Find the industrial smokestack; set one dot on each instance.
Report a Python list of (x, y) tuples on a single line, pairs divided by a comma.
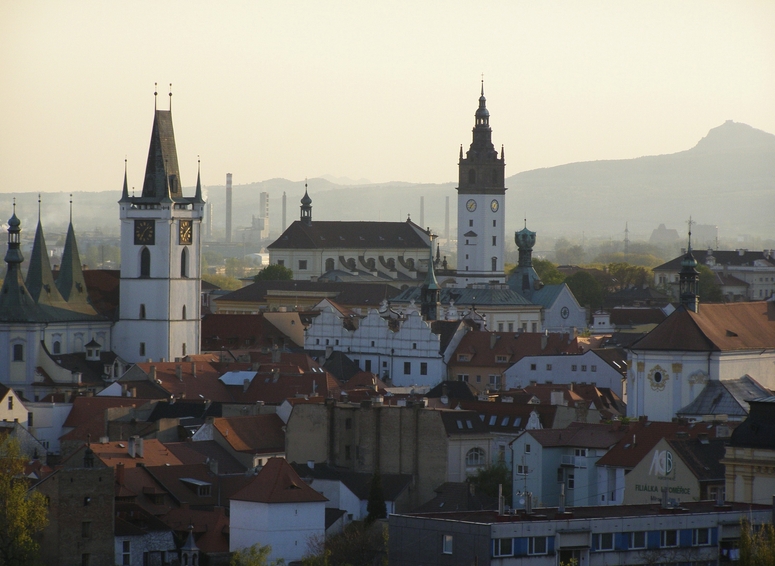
[(228, 208), (285, 225)]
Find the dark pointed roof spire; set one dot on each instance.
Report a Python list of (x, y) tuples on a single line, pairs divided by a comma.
[(162, 175), (125, 191), (70, 282), (306, 206), (40, 280), (16, 305), (198, 195)]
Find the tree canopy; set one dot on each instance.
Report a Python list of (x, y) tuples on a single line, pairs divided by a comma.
[(488, 479), (274, 272), (587, 290), (710, 290), (256, 555), (22, 513), (547, 271)]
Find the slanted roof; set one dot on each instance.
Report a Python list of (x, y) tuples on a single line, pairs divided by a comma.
[(70, 281), (579, 435), (254, 434), (547, 295), (278, 482), (454, 389), (40, 279), (758, 430), (702, 456), (640, 438), (485, 348), (728, 397), (393, 485), (351, 235), (203, 452), (716, 327), (457, 496), (154, 454), (466, 296), (462, 422), (162, 175), (737, 258)]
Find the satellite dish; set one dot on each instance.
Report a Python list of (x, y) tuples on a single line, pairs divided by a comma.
[(521, 500)]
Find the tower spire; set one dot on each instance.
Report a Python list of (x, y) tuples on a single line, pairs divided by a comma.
[(125, 190), (689, 278), (306, 207), (198, 195)]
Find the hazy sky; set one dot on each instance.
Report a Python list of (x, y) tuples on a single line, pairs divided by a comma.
[(383, 91)]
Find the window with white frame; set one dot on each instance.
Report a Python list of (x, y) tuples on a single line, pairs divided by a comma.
[(522, 470), (475, 457), (637, 539), (668, 539), (446, 544), (537, 545), (604, 541), (502, 547), (701, 537)]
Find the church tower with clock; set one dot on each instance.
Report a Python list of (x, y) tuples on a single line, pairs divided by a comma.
[(159, 307), (481, 206)]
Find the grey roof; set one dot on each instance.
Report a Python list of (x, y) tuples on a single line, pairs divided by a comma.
[(722, 257), (351, 235), (466, 296), (729, 397), (546, 295), (70, 281)]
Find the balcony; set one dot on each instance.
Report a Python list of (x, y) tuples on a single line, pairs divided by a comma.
[(574, 461)]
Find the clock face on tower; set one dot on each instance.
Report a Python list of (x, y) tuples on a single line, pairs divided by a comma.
[(185, 232), (145, 232), (494, 205), (471, 205), (564, 312)]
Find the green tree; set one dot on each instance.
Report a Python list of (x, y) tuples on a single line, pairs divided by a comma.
[(488, 479), (376, 506), (226, 283), (547, 271), (358, 545), (757, 544), (256, 555), (566, 253), (274, 272), (710, 290), (627, 275), (22, 513), (587, 290)]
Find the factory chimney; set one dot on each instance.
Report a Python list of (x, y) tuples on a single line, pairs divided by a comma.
[(228, 208)]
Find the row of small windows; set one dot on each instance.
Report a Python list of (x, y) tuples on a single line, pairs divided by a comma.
[(145, 263), (142, 349), (574, 367)]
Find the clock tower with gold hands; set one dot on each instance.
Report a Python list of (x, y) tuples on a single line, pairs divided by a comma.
[(159, 308), (481, 206)]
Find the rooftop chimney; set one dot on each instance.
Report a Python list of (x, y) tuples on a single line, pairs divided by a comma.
[(139, 449), (193, 369), (131, 447), (228, 208), (179, 372), (120, 473), (152, 370)]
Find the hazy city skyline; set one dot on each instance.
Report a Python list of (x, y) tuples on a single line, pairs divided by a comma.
[(383, 92)]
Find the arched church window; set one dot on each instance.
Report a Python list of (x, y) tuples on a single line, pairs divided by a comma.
[(471, 176), (329, 264), (18, 353), (184, 263), (184, 312), (57, 347), (145, 263), (142, 312), (495, 264), (476, 457)]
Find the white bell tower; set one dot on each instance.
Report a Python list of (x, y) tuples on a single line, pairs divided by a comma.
[(481, 206), (159, 309)]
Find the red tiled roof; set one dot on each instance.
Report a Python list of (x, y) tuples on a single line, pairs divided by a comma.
[(191, 385), (154, 454), (256, 434), (278, 482), (484, 347), (240, 331), (211, 528), (640, 437), (274, 388), (716, 327)]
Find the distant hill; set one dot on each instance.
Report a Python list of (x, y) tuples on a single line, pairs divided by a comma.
[(727, 179)]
